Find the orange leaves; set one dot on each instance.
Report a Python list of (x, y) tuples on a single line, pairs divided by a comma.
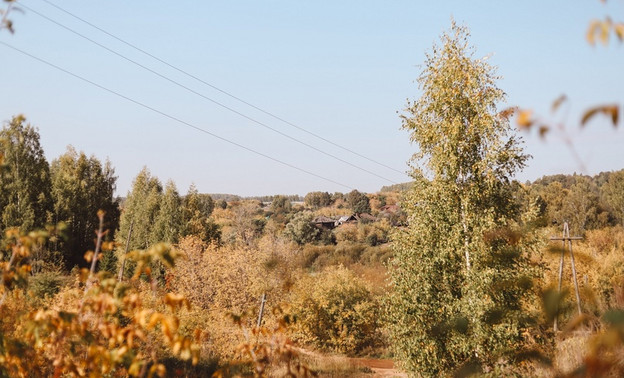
[(110, 328), (507, 113), (267, 347), (557, 103), (611, 111), (619, 31), (176, 301), (88, 256), (108, 246), (600, 30), (525, 119)]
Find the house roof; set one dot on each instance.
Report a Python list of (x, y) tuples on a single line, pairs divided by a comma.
[(366, 216), (346, 218), (323, 219)]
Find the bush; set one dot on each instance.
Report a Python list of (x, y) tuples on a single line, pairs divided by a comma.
[(301, 230), (335, 311), (46, 284)]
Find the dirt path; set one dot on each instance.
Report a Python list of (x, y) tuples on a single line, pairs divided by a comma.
[(341, 366), (380, 368)]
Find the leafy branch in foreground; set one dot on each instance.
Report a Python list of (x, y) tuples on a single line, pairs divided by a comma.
[(598, 30), (5, 21), (267, 350), (105, 327)]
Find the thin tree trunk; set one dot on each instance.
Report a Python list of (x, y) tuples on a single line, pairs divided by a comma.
[(466, 243)]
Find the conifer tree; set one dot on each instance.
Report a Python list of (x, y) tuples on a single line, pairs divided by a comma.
[(168, 224), (25, 199), (459, 274)]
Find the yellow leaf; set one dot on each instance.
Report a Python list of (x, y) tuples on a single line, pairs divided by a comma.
[(543, 130), (154, 319), (524, 120), (108, 246), (158, 369), (591, 32), (558, 102), (605, 28), (88, 256), (84, 274), (121, 351), (135, 368), (176, 300), (608, 110), (619, 31), (176, 347)]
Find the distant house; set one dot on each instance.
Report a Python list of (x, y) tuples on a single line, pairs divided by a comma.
[(325, 223), (346, 219), (355, 218)]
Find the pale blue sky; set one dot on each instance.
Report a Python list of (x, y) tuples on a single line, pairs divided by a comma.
[(340, 69)]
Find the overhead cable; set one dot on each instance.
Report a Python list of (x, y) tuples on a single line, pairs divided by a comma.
[(237, 98), (206, 97), (178, 120)]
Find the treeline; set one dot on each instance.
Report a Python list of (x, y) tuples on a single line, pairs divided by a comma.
[(67, 192), (585, 202)]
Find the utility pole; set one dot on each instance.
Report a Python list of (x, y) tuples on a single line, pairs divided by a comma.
[(566, 238)]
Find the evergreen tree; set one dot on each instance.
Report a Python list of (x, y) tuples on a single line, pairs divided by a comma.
[(459, 274), (25, 199), (168, 225)]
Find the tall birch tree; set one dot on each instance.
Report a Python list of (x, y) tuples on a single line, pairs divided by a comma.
[(459, 273)]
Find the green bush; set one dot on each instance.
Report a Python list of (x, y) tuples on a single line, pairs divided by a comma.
[(335, 311), (46, 284), (301, 230)]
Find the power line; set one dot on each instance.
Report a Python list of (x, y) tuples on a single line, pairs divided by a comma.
[(188, 124), (205, 97), (224, 91)]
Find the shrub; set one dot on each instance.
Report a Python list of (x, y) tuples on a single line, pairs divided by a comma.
[(301, 230), (335, 311), (46, 284)]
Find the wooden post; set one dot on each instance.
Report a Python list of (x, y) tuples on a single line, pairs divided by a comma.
[(566, 238), (560, 278), (262, 302), (576, 286)]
